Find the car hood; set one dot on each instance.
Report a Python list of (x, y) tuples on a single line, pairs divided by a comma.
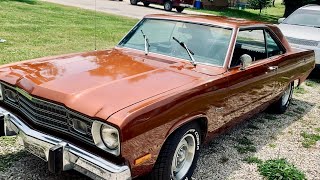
[(90, 82), (300, 32)]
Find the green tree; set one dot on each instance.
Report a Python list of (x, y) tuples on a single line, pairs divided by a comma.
[(259, 4)]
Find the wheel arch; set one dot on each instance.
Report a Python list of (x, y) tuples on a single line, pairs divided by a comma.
[(201, 120)]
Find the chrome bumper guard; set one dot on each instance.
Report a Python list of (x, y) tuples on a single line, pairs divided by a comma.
[(60, 155), (186, 5)]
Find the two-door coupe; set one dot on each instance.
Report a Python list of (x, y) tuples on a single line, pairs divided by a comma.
[(145, 107)]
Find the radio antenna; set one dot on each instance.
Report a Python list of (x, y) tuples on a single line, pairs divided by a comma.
[(95, 25)]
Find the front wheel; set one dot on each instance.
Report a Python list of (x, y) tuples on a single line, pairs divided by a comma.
[(167, 6), (179, 9), (178, 156), (282, 104), (134, 2)]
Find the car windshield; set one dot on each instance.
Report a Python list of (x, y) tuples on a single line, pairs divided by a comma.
[(207, 43), (304, 18)]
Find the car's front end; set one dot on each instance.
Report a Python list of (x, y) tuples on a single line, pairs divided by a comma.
[(59, 154), (43, 127)]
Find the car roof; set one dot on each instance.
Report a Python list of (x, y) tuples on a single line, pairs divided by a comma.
[(208, 19), (314, 7)]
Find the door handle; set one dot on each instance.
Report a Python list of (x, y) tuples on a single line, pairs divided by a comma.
[(273, 68)]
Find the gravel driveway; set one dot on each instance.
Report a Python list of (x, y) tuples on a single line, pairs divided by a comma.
[(274, 136), (122, 8)]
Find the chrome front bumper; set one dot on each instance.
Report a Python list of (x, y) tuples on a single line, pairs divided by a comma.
[(48, 148)]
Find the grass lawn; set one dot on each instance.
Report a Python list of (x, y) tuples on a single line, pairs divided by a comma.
[(36, 29), (270, 14)]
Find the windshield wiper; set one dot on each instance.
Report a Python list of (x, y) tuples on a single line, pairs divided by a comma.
[(190, 53), (146, 43)]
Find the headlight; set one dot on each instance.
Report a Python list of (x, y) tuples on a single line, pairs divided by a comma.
[(106, 137), (110, 137)]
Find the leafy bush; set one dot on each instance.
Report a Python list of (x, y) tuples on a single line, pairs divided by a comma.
[(259, 4), (309, 139), (280, 169)]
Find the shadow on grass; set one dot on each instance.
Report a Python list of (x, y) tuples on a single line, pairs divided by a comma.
[(267, 127), (24, 1)]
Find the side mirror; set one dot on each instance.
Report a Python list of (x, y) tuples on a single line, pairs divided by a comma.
[(246, 61), (281, 20)]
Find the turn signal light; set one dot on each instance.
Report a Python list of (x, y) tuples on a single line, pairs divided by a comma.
[(142, 159)]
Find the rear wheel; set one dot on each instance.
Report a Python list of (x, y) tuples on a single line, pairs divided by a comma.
[(167, 6), (134, 2), (146, 4), (282, 104), (178, 156), (179, 9)]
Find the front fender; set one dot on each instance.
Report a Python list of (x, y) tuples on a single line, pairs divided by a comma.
[(185, 121)]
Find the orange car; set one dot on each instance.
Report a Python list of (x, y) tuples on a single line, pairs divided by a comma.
[(145, 107)]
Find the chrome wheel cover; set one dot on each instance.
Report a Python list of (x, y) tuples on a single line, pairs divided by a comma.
[(286, 95), (183, 157), (167, 6)]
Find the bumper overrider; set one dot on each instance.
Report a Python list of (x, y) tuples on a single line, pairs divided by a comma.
[(60, 155)]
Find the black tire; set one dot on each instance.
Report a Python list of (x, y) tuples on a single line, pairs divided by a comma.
[(146, 4), (163, 166), (167, 5), (281, 105), (179, 9), (134, 2)]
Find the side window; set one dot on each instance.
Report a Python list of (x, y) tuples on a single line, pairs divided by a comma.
[(250, 42), (272, 47)]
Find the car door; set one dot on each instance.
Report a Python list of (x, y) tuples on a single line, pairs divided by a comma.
[(252, 87), (276, 53)]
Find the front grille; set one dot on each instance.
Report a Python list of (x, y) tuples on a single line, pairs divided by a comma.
[(46, 114), (302, 41)]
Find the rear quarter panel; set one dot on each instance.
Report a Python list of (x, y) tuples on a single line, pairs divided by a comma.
[(295, 65)]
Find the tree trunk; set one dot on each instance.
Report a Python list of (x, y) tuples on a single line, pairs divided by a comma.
[(260, 6), (273, 3)]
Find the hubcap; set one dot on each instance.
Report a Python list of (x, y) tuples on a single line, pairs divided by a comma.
[(286, 95), (167, 6), (183, 157)]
